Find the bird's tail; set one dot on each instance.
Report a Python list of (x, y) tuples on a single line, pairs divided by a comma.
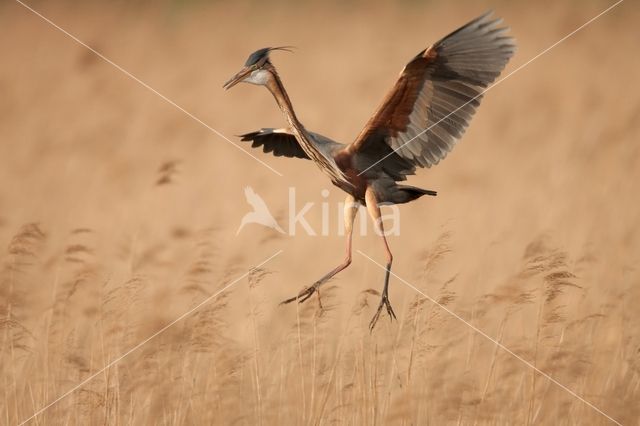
[(409, 193)]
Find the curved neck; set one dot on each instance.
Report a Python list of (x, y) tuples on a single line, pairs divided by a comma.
[(305, 140), (276, 88), (325, 162)]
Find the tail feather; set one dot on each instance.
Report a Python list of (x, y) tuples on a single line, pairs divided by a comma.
[(409, 193)]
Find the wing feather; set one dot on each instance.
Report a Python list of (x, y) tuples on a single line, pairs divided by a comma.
[(283, 143), (439, 90)]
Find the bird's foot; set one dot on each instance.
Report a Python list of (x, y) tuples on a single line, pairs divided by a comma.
[(384, 302), (305, 294)]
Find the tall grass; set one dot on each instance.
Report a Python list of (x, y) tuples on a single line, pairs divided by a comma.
[(117, 215)]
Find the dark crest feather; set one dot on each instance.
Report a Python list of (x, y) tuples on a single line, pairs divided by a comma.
[(263, 53)]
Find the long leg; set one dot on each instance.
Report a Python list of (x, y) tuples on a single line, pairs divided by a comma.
[(350, 210), (374, 211)]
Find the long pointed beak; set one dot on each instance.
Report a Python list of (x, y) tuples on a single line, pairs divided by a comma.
[(237, 78)]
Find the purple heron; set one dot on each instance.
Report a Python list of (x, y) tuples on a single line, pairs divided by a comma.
[(418, 123)]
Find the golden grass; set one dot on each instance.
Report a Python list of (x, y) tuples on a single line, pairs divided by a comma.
[(118, 213)]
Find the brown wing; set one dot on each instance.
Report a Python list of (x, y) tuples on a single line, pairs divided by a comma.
[(438, 90)]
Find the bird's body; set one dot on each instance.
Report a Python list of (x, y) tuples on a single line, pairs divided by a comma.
[(417, 125), (282, 142)]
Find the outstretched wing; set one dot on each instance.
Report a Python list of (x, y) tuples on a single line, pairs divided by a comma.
[(283, 143), (439, 90), (279, 141)]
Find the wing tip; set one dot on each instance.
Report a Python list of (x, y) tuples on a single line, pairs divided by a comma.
[(262, 132), (247, 136)]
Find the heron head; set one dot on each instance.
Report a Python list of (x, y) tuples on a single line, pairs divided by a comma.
[(257, 69)]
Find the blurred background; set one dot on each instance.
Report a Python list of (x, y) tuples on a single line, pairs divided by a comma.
[(119, 212)]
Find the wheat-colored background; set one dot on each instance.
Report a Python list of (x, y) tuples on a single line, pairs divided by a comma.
[(118, 213)]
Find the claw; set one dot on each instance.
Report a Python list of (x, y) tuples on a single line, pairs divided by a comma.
[(304, 295), (384, 301), (307, 292)]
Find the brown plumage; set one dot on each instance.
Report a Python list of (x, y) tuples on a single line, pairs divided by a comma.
[(418, 123)]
